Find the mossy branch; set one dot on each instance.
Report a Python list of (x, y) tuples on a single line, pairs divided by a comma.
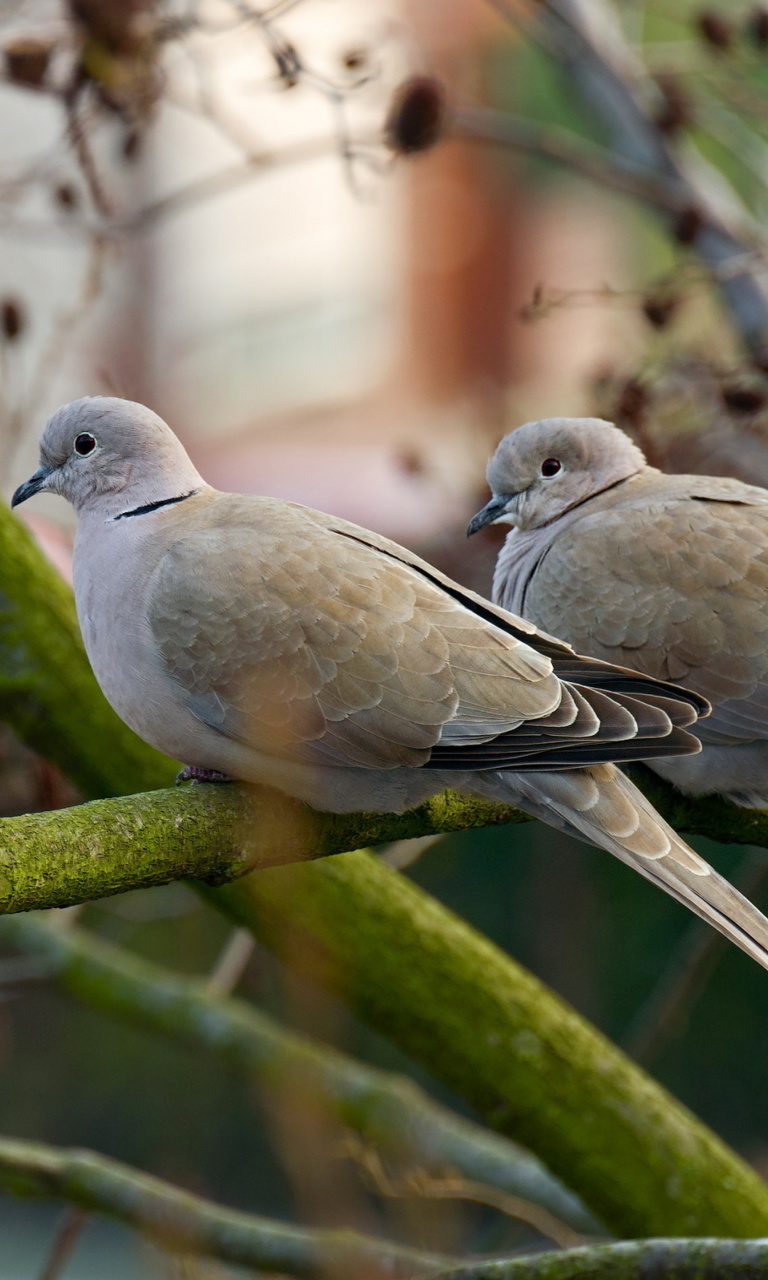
[(219, 833), (210, 833), (526, 1061), (187, 1223), (388, 1111), (496, 1035), (699, 1259)]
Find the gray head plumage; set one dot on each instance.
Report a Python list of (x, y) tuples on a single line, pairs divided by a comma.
[(546, 467), (101, 449)]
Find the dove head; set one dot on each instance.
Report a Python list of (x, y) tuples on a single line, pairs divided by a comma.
[(544, 468), (109, 455)]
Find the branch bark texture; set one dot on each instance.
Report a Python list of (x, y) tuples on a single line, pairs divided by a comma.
[(219, 833), (699, 1259)]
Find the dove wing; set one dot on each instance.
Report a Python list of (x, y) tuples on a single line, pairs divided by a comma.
[(675, 589), (310, 639)]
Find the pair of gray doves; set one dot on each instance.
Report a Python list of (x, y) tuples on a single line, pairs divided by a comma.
[(262, 641)]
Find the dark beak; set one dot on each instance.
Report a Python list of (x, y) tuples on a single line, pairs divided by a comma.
[(31, 486), (490, 512)]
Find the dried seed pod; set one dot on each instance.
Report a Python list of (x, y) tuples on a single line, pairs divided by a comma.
[(288, 64), (715, 30), (632, 404), (66, 196), (410, 461), (417, 115), (13, 320), (741, 399), (675, 109), (26, 61), (120, 29), (355, 59), (131, 144), (687, 225), (659, 308), (756, 27)]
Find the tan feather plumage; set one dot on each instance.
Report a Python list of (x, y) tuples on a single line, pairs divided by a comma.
[(667, 574)]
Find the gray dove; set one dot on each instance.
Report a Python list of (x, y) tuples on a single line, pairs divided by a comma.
[(258, 640), (667, 574)]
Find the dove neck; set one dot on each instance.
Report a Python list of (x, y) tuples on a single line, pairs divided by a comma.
[(149, 507), (524, 549)]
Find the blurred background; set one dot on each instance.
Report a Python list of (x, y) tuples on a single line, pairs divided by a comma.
[(342, 246)]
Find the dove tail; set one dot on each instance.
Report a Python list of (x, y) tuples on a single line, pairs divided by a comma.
[(601, 805)]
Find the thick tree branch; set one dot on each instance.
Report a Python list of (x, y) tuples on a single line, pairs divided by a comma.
[(700, 1259), (187, 1223), (388, 1111), (497, 1036), (218, 833), (210, 833)]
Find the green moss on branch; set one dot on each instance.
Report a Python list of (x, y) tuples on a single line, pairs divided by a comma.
[(671, 1259), (490, 1030), (210, 833)]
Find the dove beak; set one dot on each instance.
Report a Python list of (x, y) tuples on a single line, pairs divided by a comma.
[(35, 484), (491, 512)]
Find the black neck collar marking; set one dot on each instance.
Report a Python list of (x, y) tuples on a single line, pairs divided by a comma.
[(155, 506)]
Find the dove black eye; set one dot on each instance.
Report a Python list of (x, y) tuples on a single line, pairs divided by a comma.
[(85, 443), (550, 467)]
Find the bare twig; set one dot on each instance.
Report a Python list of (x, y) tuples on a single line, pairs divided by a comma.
[(549, 142), (180, 1221), (419, 1184), (231, 963), (609, 78), (67, 1237), (79, 141), (387, 1111)]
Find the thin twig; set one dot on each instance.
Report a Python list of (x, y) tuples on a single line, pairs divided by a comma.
[(180, 1221), (609, 77), (387, 1113), (231, 963), (419, 1184), (69, 1233), (80, 143), (561, 147)]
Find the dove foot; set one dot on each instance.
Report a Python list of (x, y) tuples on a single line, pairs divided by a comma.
[(191, 773)]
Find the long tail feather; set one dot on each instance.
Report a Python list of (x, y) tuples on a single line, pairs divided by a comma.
[(601, 805)]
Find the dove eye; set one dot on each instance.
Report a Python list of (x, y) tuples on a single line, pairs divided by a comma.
[(85, 443), (550, 467)]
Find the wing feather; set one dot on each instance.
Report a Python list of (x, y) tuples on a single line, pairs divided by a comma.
[(343, 649)]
